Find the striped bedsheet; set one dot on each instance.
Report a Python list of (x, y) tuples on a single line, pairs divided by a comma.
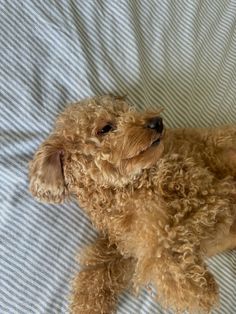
[(180, 55)]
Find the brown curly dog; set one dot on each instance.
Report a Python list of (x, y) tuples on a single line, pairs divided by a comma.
[(163, 201)]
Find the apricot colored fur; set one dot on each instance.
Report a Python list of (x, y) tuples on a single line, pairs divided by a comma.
[(161, 208)]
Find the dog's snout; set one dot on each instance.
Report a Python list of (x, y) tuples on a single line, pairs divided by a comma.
[(156, 124)]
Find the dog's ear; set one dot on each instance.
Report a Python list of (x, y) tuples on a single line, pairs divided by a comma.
[(47, 182)]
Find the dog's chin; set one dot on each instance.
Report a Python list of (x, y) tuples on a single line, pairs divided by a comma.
[(145, 159), (153, 153), (148, 148), (154, 144), (126, 170)]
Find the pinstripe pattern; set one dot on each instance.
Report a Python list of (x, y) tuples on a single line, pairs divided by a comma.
[(176, 54)]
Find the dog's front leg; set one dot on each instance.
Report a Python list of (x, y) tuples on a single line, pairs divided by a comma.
[(169, 257), (180, 277), (105, 274), (185, 280)]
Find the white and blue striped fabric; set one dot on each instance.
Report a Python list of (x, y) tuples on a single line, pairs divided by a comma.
[(180, 55)]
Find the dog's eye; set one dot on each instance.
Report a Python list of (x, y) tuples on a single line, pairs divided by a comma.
[(107, 128)]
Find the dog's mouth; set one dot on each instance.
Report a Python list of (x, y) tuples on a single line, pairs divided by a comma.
[(156, 142), (142, 144)]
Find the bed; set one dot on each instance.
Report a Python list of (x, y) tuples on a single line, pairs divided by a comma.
[(179, 55)]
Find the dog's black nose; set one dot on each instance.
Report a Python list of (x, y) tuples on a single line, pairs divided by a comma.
[(156, 123)]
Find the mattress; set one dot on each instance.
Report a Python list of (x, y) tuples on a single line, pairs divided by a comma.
[(179, 55)]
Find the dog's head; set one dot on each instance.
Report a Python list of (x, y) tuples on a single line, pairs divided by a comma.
[(100, 139)]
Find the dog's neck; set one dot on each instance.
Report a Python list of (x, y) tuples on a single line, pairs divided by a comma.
[(101, 201)]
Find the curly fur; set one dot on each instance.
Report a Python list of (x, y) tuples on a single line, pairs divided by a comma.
[(161, 207)]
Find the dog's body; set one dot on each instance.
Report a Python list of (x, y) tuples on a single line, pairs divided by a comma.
[(162, 200)]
